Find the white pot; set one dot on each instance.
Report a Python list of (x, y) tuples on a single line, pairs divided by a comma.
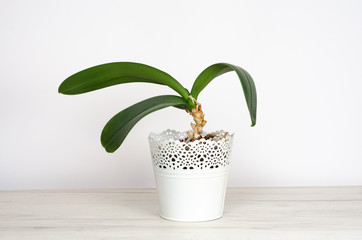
[(190, 177)]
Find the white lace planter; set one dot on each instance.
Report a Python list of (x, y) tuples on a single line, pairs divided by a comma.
[(190, 177)]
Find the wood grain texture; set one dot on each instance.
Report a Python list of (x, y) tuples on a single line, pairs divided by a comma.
[(250, 213)]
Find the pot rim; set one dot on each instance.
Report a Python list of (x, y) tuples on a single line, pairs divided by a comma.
[(175, 136)]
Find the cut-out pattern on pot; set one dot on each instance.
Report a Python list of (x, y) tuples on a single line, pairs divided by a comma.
[(170, 152)]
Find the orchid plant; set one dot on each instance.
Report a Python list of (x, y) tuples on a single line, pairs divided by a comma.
[(118, 127)]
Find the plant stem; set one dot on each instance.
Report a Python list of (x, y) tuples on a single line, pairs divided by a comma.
[(197, 127)]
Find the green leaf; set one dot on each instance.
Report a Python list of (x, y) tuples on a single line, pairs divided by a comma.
[(121, 124), (246, 81), (110, 74)]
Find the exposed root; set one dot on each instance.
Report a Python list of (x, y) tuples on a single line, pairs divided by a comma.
[(197, 127), (224, 135)]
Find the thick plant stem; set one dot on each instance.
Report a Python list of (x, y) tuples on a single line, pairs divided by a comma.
[(197, 127)]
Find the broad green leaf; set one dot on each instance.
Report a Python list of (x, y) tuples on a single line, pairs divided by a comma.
[(110, 74), (246, 81), (121, 124)]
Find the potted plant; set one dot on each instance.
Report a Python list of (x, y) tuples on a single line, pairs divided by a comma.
[(190, 167)]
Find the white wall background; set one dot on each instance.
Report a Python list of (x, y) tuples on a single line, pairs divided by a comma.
[(305, 57)]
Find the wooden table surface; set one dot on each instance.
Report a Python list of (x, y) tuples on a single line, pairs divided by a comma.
[(250, 213)]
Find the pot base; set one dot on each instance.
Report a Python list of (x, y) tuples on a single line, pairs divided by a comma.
[(183, 220)]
